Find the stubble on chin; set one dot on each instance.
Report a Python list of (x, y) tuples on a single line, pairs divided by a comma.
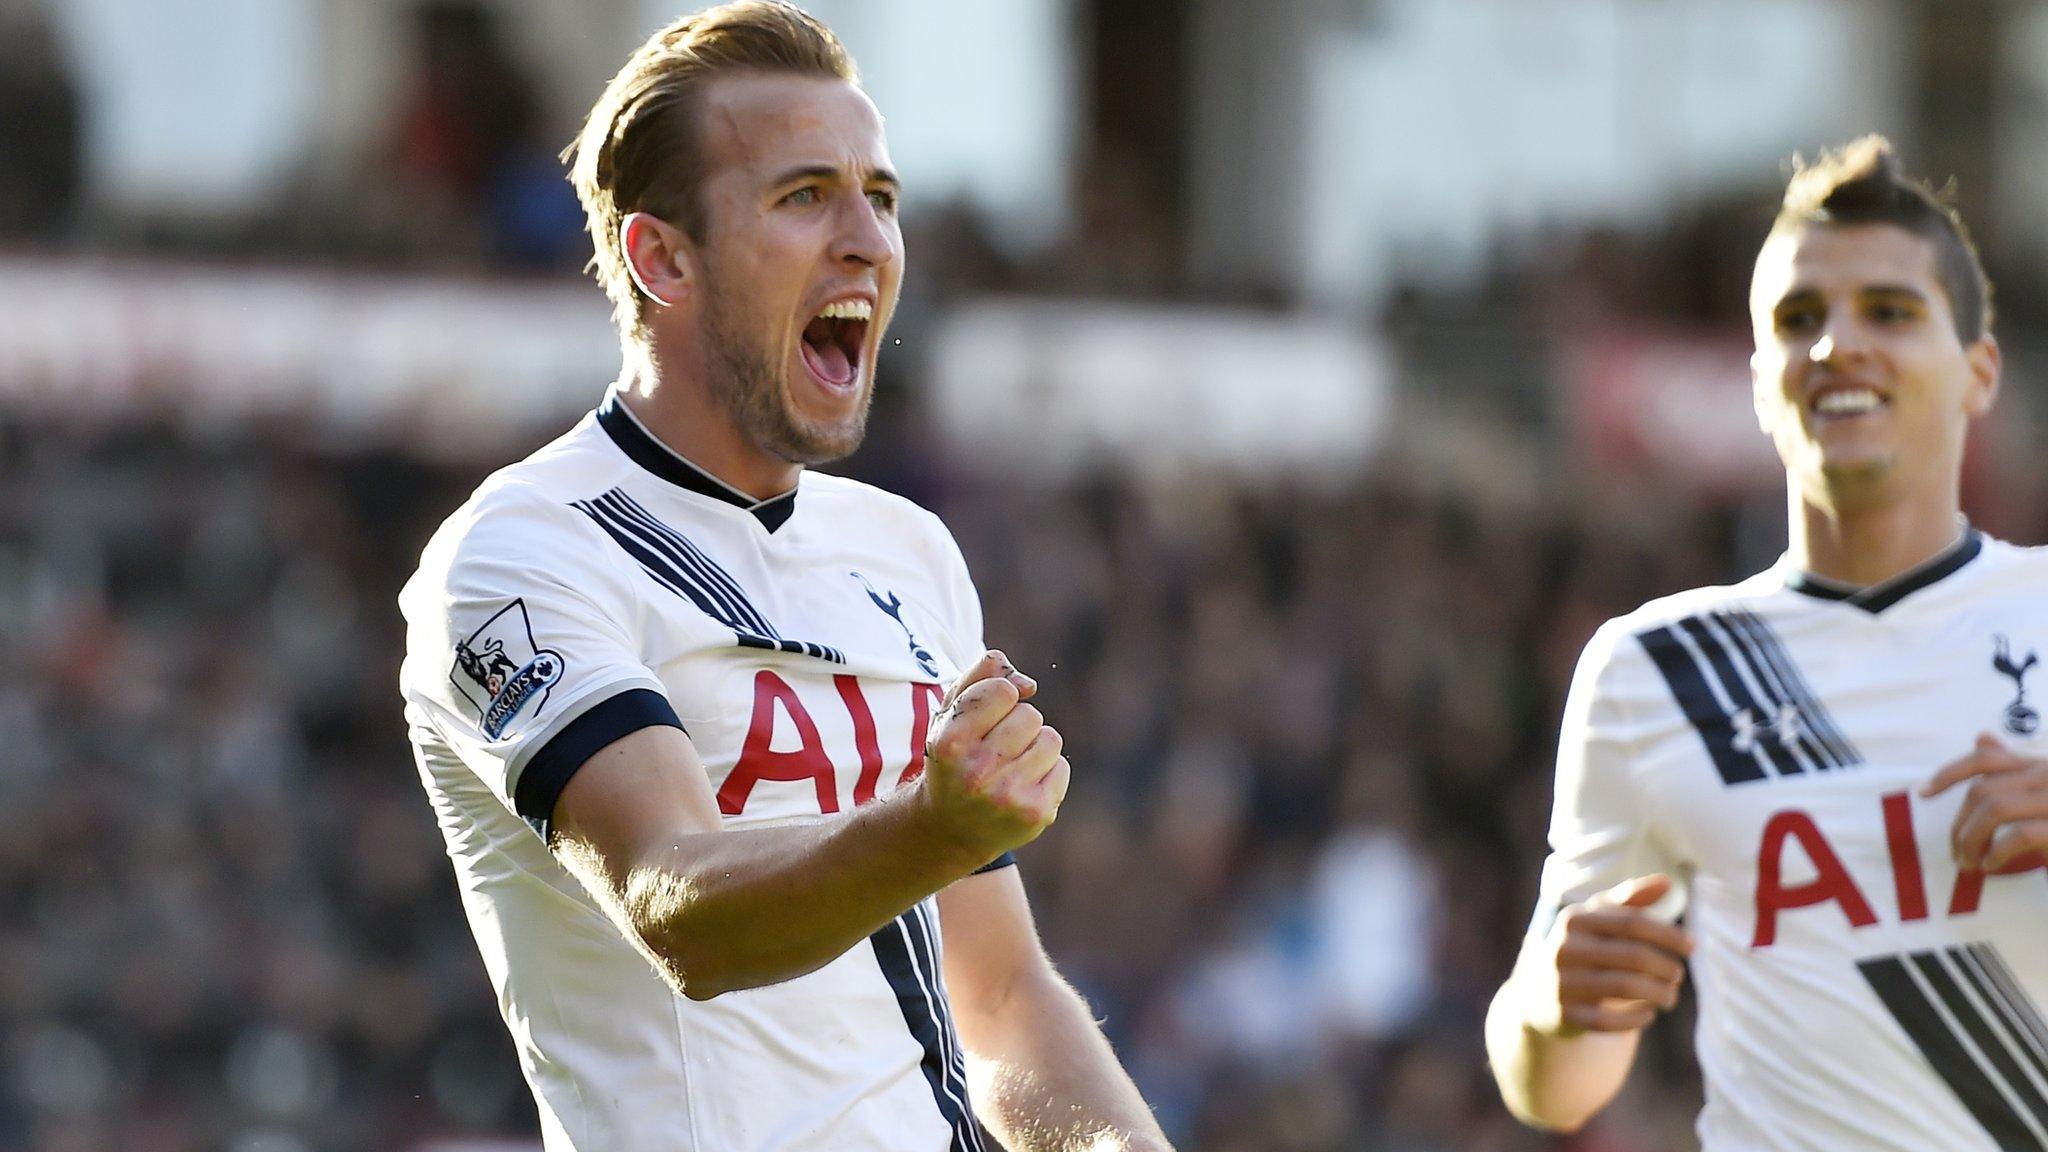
[(747, 384), (1855, 484)]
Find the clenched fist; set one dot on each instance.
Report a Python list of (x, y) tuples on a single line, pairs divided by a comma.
[(993, 771)]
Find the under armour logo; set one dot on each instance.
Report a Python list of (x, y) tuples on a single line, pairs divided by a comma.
[(2020, 720), (892, 605), (1785, 727)]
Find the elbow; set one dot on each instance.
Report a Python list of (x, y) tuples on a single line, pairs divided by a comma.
[(694, 974), (1556, 1121), (682, 955), (660, 915), (1551, 1107), (1535, 1090), (700, 989), (699, 962)]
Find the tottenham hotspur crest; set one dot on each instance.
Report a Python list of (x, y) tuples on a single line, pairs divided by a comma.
[(2020, 720), (892, 604), (500, 670)]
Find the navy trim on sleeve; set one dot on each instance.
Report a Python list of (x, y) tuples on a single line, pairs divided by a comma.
[(1006, 860), (541, 784)]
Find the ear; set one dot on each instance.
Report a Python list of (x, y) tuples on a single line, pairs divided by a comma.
[(1762, 395), (657, 257), (1986, 363)]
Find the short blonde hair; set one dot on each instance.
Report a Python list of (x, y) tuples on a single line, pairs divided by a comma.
[(640, 149)]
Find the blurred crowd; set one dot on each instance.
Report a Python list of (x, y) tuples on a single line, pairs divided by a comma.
[(1312, 727)]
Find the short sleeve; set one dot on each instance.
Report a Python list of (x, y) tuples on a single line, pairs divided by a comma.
[(522, 651), (1600, 831), (963, 638)]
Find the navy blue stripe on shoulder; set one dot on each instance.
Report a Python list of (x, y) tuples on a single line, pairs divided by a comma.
[(1006, 860), (548, 772)]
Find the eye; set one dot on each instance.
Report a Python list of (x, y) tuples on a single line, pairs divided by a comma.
[(883, 199), (1888, 312), (806, 195), (1799, 320)]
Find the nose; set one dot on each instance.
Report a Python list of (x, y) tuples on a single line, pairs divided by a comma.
[(865, 239), (1841, 339)]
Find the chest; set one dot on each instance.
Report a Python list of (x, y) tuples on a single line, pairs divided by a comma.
[(1786, 757), (804, 675)]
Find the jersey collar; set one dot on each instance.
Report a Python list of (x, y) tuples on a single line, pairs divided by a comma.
[(644, 449), (1884, 594)]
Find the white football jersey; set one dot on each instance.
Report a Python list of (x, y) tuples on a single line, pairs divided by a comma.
[(605, 584), (1764, 743)]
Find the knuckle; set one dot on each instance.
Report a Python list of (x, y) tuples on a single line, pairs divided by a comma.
[(986, 767)]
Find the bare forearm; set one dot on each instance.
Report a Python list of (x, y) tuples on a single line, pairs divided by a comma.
[(1555, 1082), (1045, 1080), (721, 911)]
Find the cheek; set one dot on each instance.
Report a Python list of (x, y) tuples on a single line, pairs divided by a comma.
[(1772, 386)]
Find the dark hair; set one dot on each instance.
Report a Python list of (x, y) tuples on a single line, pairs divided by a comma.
[(1861, 183), (639, 150)]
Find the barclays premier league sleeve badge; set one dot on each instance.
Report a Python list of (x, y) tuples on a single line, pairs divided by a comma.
[(500, 670)]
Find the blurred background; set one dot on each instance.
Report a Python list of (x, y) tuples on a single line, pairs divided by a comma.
[(1305, 380)]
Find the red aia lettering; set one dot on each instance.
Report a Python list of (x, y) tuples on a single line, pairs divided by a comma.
[(1970, 882), (1907, 879), (1832, 881), (758, 761), (922, 697), (1905, 853), (864, 739)]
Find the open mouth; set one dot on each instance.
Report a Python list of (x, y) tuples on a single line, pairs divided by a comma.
[(833, 341)]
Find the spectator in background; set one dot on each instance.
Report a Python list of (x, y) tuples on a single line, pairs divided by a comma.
[(41, 150), (469, 147)]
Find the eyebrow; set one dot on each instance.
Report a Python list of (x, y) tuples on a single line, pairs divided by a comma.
[(1808, 295), (829, 172)]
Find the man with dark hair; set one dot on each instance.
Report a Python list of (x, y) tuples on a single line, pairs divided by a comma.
[(1833, 768), (737, 859)]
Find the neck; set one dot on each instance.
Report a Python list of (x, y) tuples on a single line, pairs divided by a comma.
[(679, 410), (1866, 546)]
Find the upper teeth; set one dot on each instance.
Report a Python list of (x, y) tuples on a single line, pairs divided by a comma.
[(1848, 400), (848, 310)]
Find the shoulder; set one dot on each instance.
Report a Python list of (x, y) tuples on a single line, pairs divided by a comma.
[(2004, 555), (1665, 611), (512, 514), (523, 520), (1625, 643), (852, 502)]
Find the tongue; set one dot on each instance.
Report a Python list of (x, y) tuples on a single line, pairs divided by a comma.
[(826, 357), (829, 361)]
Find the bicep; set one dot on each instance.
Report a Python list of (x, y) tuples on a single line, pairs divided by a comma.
[(632, 798), (991, 941)]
